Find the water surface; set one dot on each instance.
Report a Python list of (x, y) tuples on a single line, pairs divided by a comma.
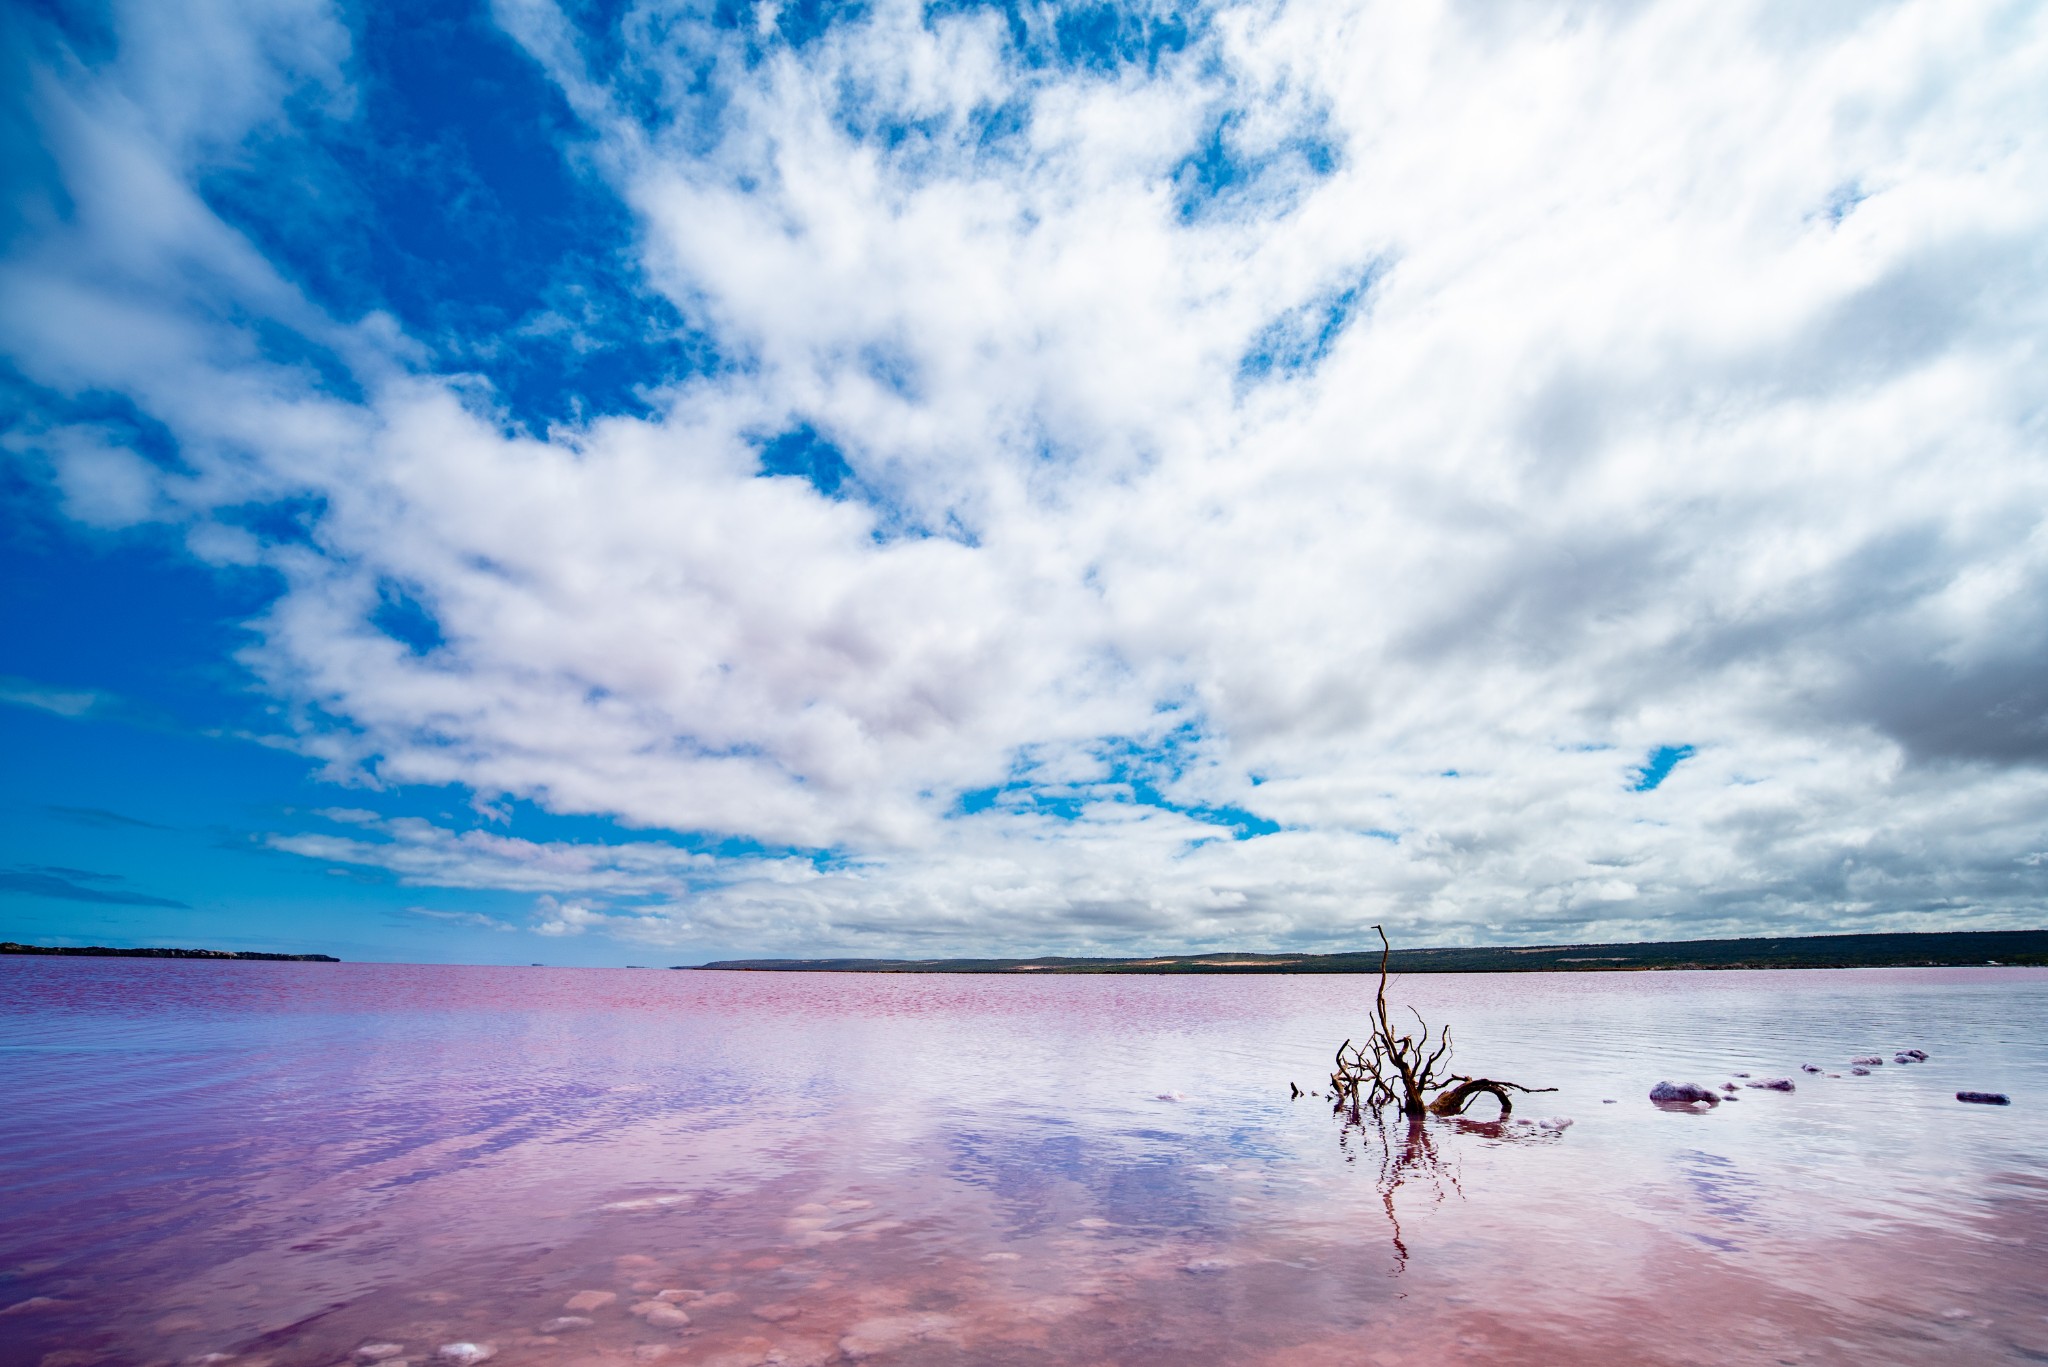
[(283, 1163)]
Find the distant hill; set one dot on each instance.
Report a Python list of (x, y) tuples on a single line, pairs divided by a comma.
[(1910, 950), (102, 952)]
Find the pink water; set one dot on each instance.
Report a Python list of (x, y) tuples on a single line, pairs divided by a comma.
[(284, 1163)]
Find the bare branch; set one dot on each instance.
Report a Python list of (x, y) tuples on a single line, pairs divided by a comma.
[(1390, 1069)]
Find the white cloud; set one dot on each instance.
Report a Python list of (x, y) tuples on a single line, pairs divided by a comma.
[(425, 855), (474, 919), (64, 702), (1694, 401), (565, 918), (103, 484)]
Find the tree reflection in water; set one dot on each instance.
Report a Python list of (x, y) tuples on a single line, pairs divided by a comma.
[(1419, 1152), (1405, 1152)]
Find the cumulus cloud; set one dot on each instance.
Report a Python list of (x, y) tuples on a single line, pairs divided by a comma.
[(1222, 480), (567, 918)]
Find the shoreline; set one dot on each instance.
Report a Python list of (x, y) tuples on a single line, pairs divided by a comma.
[(107, 952), (1904, 949)]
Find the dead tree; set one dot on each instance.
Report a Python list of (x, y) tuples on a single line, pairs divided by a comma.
[(1400, 1070)]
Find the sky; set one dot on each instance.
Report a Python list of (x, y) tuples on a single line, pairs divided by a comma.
[(608, 482)]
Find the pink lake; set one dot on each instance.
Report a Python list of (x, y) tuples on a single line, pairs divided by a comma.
[(242, 1164)]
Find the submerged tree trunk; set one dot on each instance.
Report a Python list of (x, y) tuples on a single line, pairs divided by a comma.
[(1455, 1100)]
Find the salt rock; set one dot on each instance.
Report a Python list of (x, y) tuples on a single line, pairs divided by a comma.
[(890, 1332), (1774, 1084), (1728, 1087), (1917, 1055), (683, 1295), (1172, 1096), (778, 1312), (1859, 1072), (649, 1203), (1742, 1075), (1868, 1061), (379, 1352), (750, 1352), (1808, 1068), (1683, 1094), (661, 1314), (816, 1238), (1053, 1309), (717, 1300), (651, 1352), (589, 1300), (1555, 1122), (562, 1324), (802, 1353), (1985, 1098), (1607, 1101), (466, 1353)]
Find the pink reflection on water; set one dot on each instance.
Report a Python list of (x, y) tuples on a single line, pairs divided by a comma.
[(291, 1164)]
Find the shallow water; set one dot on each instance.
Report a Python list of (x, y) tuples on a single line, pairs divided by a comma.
[(286, 1162)]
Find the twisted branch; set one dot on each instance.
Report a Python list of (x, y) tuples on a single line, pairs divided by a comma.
[(1395, 1069)]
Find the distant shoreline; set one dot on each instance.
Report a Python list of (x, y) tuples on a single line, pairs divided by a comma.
[(103, 952), (1935, 949)]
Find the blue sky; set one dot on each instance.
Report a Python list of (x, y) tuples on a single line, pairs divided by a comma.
[(629, 483)]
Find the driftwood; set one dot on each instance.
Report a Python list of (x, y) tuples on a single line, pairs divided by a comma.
[(1401, 1070)]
